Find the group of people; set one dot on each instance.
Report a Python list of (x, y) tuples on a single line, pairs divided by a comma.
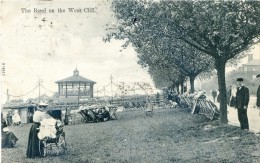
[(238, 97), (33, 147), (173, 96), (13, 118), (8, 138)]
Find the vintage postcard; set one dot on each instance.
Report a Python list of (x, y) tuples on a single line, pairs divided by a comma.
[(71, 91)]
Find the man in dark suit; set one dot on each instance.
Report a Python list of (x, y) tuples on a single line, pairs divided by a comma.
[(258, 94), (242, 100)]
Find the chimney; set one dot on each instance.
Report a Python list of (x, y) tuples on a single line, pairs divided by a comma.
[(250, 57)]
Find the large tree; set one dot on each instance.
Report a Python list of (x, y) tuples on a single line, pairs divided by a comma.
[(187, 60), (162, 70), (153, 46), (166, 77), (223, 30)]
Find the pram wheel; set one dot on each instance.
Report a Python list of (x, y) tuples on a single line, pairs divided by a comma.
[(53, 146), (62, 142), (42, 148)]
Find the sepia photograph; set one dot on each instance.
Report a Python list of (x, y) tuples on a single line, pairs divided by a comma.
[(130, 81)]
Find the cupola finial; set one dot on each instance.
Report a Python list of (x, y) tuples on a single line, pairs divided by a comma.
[(76, 72)]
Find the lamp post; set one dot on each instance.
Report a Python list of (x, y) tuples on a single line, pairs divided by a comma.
[(39, 85), (78, 93), (111, 82)]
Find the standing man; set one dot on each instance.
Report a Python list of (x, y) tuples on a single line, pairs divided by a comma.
[(242, 100), (258, 95)]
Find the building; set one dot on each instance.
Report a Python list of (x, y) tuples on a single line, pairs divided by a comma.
[(25, 110), (247, 71), (75, 87), (70, 91), (252, 67)]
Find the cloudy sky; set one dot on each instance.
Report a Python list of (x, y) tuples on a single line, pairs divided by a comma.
[(50, 46), (53, 48)]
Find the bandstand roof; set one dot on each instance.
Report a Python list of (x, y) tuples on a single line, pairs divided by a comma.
[(75, 78)]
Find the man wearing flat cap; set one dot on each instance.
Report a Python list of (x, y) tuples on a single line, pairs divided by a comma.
[(258, 94), (242, 100)]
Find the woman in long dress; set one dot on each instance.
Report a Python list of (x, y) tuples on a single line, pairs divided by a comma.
[(33, 148), (233, 96)]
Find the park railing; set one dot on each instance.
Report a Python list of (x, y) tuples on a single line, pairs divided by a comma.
[(200, 106)]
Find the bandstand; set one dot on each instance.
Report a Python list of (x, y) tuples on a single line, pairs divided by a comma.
[(75, 86)]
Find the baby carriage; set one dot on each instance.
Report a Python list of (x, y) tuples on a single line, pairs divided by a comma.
[(51, 134)]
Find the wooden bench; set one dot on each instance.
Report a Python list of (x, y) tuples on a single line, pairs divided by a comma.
[(112, 111)]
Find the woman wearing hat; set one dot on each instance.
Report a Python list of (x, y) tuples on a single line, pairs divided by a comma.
[(33, 148)]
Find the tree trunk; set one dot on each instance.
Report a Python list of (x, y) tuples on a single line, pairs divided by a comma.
[(192, 79), (220, 66), (178, 88), (173, 87)]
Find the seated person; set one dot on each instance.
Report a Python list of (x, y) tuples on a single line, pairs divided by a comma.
[(8, 138), (103, 114), (200, 95)]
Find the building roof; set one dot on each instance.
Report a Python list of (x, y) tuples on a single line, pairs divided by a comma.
[(18, 105), (76, 78), (255, 62)]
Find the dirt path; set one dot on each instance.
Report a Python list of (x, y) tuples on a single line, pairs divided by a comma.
[(169, 136)]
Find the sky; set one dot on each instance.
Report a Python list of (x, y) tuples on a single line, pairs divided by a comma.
[(49, 46), (51, 49)]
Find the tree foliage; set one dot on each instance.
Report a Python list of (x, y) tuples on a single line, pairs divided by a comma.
[(222, 30), (137, 26)]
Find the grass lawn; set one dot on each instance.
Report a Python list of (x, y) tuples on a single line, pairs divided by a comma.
[(170, 135)]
